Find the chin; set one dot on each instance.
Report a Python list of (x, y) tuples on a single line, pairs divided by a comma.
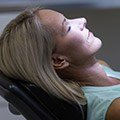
[(98, 43)]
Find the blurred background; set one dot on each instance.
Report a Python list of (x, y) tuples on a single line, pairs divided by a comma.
[(103, 20)]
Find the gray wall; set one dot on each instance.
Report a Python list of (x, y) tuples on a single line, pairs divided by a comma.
[(104, 23)]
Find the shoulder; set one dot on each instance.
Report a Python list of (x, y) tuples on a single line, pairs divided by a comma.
[(113, 112)]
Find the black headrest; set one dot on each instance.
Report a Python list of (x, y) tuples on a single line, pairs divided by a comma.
[(39, 100)]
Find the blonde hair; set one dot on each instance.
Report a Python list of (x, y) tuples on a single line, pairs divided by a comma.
[(26, 46)]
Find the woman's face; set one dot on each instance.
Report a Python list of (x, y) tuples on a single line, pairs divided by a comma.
[(73, 40)]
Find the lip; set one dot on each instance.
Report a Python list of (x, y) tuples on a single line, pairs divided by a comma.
[(89, 34)]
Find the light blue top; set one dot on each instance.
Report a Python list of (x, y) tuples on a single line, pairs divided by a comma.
[(100, 98)]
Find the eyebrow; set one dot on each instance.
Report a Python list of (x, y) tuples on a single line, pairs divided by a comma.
[(64, 20)]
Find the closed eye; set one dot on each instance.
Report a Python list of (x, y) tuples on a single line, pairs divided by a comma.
[(69, 28)]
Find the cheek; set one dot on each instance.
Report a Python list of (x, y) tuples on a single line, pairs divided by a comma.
[(74, 48), (75, 43), (75, 36), (72, 44)]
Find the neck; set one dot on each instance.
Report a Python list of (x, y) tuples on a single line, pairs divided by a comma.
[(90, 74)]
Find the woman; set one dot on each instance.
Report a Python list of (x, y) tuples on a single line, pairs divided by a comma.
[(58, 54)]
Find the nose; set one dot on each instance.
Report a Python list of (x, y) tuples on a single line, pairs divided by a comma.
[(82, 23)]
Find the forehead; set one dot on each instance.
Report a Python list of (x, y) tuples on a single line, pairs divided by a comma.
[(51, 18)]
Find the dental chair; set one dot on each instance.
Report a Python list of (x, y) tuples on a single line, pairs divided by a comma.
[(33, 103)]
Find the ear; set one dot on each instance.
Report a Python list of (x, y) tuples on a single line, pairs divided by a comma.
[(59, 62)]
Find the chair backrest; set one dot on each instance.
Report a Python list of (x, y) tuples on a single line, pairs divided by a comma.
[(26, 96)]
